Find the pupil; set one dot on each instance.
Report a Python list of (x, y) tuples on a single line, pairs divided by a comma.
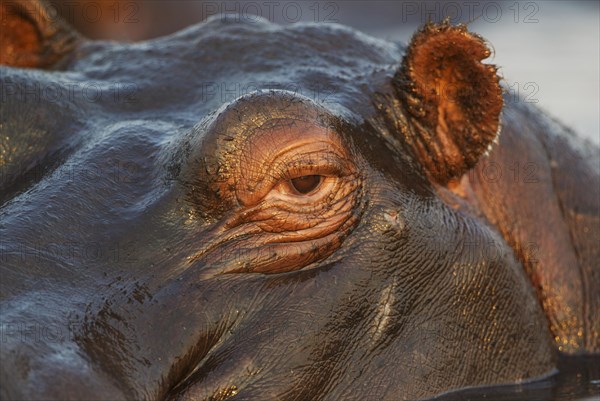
[(306, 183)]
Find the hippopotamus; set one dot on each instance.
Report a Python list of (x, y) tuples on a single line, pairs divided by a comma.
[(249, 211)]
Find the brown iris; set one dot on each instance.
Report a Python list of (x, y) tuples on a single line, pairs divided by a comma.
[(306, 184)]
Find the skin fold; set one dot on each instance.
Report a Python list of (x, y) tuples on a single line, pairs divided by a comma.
[(333, 227)]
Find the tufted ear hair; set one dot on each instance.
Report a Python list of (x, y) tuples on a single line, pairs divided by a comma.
[(32, 35), (452, 100)]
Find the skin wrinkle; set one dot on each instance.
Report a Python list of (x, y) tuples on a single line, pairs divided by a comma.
[(315, 390), (333, 205), (282, 142), (289, 230), (203, 368), (261, 213), (334, 356), (325, 227), (314, 218)]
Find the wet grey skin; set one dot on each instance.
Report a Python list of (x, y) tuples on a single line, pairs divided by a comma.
[(121, 277)]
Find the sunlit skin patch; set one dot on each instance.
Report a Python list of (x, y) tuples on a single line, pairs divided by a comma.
[(296, 187)]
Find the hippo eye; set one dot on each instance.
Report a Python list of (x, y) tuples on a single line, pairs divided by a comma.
[(295, 191), (306, 184)]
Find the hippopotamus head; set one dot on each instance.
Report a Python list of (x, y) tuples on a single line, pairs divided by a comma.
[(248, 211)]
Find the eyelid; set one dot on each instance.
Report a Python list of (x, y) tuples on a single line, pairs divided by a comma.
[(283, 152), (304, 165)]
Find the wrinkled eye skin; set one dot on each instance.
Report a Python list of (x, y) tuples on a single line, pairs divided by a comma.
[(276, 192)]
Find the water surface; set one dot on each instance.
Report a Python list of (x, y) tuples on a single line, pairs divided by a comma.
[(578, 378)]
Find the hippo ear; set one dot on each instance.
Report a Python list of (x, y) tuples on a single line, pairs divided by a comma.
[(453, 101), (32, 35)]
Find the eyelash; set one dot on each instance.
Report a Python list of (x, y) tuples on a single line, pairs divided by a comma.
[(331, 168)]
